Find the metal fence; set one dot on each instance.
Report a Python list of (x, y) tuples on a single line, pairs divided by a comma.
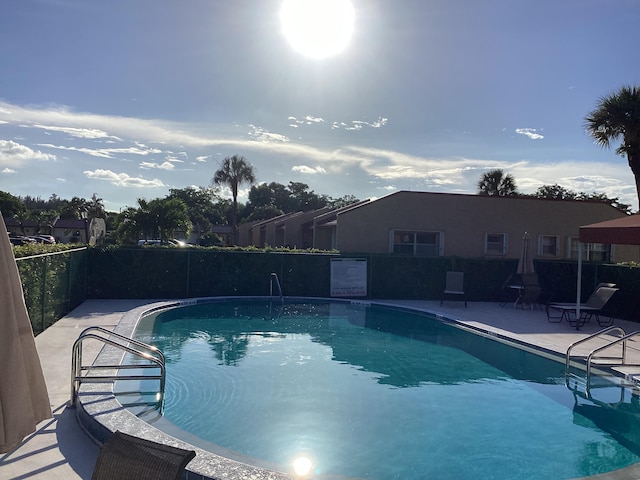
[(53, 284)]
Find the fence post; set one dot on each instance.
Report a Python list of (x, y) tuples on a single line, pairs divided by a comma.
[(44, 292)]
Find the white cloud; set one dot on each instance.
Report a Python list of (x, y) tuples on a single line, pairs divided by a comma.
[(262, 135), (381, 122), (106, 152), (307, 120), (162, 166), (530, 132), (306, 169), (89, 133), (8, 170), (312, 119), (16, 154), (359, 124), (174, 159), (123, 179)]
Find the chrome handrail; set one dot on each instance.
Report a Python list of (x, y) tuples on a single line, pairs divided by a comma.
[(586, 339), (623, 339), (274, 279), (144, 351)]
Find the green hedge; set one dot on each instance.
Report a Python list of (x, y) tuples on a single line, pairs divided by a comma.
[(154, 273), (53, 285)]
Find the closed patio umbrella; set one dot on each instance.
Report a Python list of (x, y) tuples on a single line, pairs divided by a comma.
[(525, 265), (24, 401)]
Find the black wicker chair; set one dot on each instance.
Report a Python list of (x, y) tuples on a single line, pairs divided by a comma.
[(124, 457)]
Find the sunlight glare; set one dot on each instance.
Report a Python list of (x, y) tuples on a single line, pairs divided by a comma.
[(302, 466), (317, 28)]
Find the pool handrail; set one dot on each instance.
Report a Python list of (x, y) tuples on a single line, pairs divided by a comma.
[(274, 279), (590, 337), (145, 351)]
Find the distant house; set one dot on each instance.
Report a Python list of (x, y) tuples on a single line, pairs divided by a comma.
[(310, 229), (293, 230), (324, 227), (443, 224), (69, 230), (26, 228)]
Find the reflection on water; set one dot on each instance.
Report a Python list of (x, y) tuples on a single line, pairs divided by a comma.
[(379, 393)]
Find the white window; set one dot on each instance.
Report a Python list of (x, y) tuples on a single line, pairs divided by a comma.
[(548, 245), (592, 252), (422, 244), (495, 244)]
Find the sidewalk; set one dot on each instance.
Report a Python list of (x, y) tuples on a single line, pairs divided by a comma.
[(59, 449)]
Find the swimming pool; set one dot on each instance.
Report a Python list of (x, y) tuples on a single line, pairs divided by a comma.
[(375, 393)]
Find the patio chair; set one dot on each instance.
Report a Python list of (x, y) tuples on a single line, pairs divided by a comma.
[(125, 457), (556, 312), (454, 286)]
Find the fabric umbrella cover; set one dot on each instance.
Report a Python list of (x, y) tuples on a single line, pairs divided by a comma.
[(525, 265), (24, 401)]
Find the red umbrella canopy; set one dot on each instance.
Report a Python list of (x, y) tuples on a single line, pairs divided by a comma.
[(621, 231)]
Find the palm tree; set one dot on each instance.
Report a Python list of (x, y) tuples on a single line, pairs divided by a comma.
[(233, 172), (617, 116), (496, 183)]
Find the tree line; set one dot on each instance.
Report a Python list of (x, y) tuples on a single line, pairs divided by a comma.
[(191, 209), (498, 183)]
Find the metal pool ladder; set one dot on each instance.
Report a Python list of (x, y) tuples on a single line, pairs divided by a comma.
[(274, 281), (87, 373), (601, 363)]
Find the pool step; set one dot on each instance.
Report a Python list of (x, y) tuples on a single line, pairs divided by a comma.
[(630, 373)]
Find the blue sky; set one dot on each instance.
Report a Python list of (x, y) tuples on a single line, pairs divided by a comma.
[(130, 98)]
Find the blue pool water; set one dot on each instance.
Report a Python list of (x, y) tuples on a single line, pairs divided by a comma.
[(378, 393)]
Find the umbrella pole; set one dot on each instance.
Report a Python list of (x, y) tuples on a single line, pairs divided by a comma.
[(579, 285)]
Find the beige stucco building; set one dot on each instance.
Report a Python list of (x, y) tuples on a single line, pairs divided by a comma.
[(292, 230), (443, 224)]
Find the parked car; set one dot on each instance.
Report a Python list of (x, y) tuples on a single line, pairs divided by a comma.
[(48, 239), (20, 240), (172, 242)]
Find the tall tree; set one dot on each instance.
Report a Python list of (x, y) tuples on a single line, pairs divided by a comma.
[(233, 172), (204, 207), (169, 214), (496, 183), (555, 191), (10, 205), (617, 117)]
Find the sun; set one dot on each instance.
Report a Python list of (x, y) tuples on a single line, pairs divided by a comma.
[(317, 28)]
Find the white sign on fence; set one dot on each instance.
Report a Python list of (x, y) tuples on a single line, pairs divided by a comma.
[(348, 277)]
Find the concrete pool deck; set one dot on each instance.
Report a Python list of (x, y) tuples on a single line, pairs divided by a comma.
[(59, 449)]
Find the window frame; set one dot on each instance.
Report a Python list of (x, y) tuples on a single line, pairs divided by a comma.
[(439, 245), (541, 246), (589, 249), (504, 244)]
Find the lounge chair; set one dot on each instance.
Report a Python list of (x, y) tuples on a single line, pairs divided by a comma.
[(454, 286), (556, 312), (124, 457)]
